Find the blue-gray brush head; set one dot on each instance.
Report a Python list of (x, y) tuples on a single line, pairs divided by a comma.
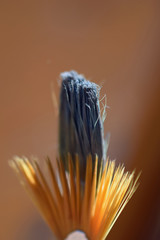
[(80, 124)]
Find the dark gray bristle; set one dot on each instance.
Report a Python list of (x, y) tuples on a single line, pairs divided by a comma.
[(80, 125)]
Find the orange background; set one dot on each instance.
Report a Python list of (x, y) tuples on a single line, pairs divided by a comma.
[(113, 43)]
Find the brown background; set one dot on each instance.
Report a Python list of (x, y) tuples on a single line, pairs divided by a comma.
[(113, 43)]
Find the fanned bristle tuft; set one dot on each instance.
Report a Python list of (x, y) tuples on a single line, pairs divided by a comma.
[(92, 206)]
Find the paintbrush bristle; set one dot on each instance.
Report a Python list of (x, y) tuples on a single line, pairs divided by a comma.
[(80, 124), (85, 192)]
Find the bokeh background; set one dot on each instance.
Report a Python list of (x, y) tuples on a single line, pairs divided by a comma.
[(113, 43)]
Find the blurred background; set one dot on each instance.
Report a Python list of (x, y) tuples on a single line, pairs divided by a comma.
[(113, 43)]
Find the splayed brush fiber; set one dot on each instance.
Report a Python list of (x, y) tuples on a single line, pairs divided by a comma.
[(69, 204)]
